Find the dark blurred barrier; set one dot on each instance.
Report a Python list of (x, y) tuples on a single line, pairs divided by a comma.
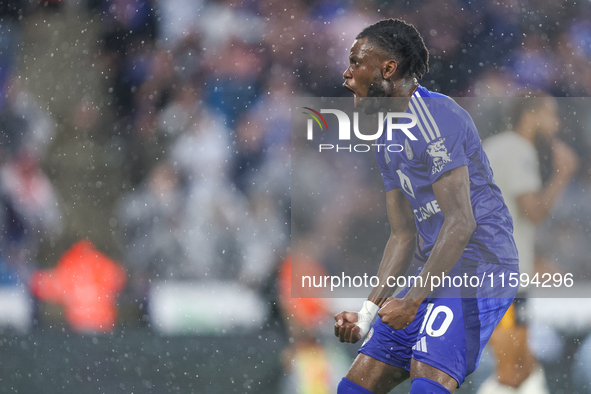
[(138, 361)]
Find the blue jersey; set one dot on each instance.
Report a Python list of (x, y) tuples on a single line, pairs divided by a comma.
[(446, 139)]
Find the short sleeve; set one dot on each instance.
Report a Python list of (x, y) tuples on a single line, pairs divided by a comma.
[(443, 131), (389, 181)]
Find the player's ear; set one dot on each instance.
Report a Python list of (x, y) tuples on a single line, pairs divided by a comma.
[(389, 67)]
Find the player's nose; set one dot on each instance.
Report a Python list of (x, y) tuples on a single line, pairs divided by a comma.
[(347, 74)]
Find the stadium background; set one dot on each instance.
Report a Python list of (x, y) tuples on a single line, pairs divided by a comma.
[(160, 132)]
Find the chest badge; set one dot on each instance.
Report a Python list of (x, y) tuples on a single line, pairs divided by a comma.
[(408, 150)]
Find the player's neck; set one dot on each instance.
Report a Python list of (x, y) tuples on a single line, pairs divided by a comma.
[(405, 87)]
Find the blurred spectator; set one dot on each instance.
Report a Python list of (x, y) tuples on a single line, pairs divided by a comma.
[(150, 221), (250, 148), (564, 239), (30, 209), (572, 47), (86, 283), (202, 151), (130, 28), (232, 87), (11, 13), (262, 239), (533, 62), (28, 202)]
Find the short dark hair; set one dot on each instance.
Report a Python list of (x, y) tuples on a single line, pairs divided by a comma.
[(402, 41)]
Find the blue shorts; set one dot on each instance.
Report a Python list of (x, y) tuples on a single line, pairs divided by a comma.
[(451, 327)]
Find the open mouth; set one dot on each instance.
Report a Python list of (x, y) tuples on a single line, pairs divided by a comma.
[(352, 91)]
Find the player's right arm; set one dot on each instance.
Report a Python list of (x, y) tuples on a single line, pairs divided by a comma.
[(400, 247), (398, 254)]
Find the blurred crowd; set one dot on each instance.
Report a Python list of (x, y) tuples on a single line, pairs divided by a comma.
[(198, 96), (201, 95)]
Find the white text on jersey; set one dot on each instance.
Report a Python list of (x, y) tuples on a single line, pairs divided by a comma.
[(425, 212)]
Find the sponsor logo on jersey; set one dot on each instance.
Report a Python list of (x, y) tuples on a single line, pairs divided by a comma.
[(405, 184), (438, 152), (408, 150), (426, 211)]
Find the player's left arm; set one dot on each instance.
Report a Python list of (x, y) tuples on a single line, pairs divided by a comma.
[(452, 191)]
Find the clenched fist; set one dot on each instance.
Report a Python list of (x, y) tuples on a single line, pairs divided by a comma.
[(398, 313), (345, 328), (352, 326)]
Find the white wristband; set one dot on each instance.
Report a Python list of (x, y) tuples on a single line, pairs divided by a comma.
[(366, 317)]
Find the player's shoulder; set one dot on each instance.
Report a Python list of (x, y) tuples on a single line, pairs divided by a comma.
[(439, 118), (441, 107)]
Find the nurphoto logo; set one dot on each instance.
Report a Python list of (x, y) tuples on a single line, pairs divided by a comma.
[(390, 119)]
